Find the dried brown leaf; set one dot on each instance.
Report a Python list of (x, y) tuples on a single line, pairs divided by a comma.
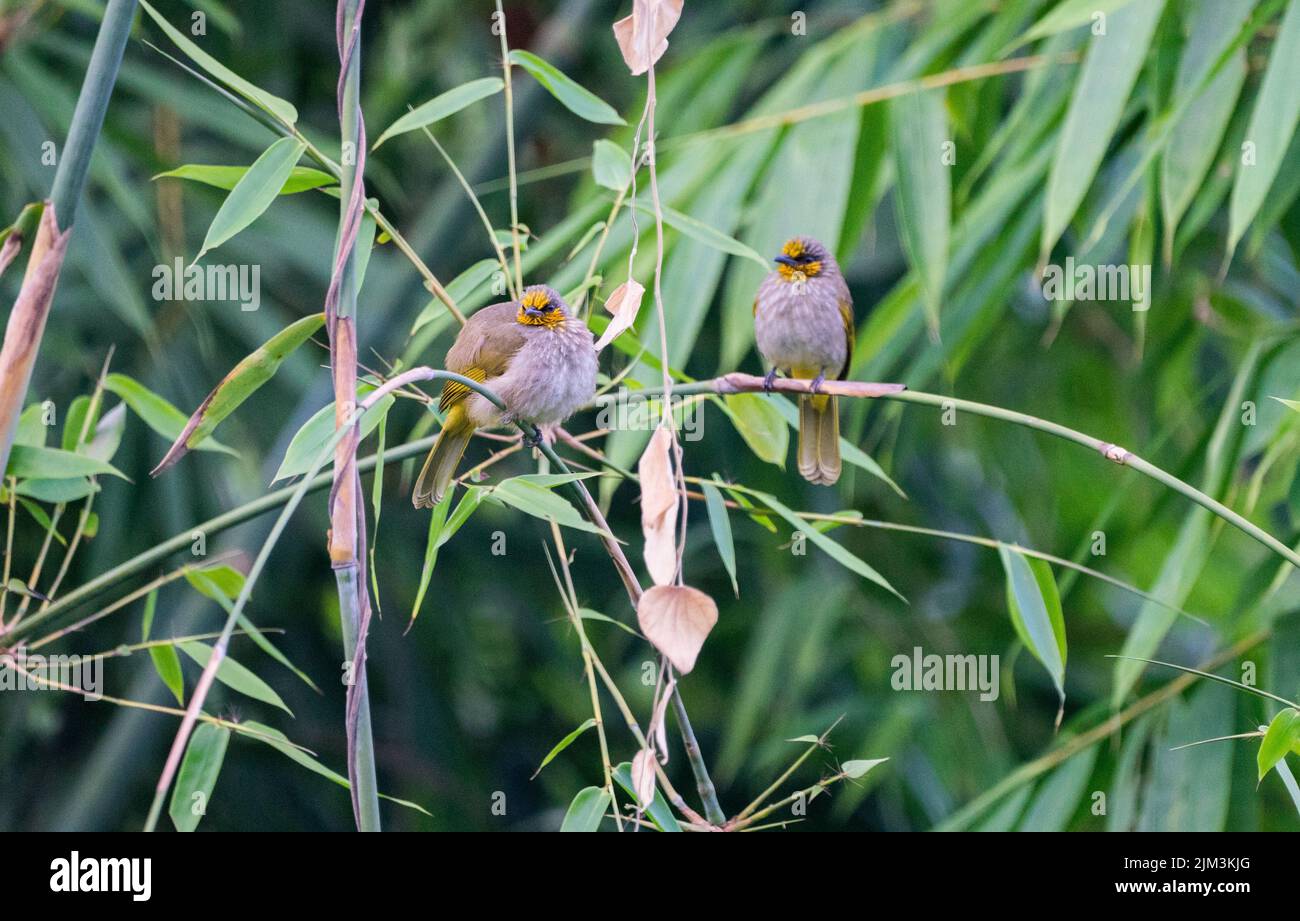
[(624, 304), (659, 501), (643, 36), (643, 777), (677, 619)]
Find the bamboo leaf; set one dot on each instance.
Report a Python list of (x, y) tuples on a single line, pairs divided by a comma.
[(563, 744), (586, 810), (234, 676), (924, 191), (55, 464), (280, 742), (274, 105), (1035, 608), (831, 548), (540, 502), (198, 775), (237, 386), (317, 431), (576, 99), (1070, 15), (1109, 72), (154, 410), (720, 525), (1272, 122), (760, 424), (165, 661), (1282, 736), (1196, 138), (254, 192), (442, 106), (301, 178), (659, 811), (611, 166)]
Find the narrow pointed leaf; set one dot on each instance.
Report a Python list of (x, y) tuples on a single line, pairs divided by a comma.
[(578, 100), (254, 192), (441, 106), (197, 776)]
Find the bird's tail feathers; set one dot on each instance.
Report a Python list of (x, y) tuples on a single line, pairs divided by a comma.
[(440, 468), (819, 439)]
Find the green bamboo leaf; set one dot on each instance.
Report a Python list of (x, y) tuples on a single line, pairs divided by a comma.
[(589, 614), (1293, 405), (1058, 798), (563, 744), (760, 424), (831, 548), (1070, 15), (237, 386), (859, 768), (274, 105), (165, 661), (280, 742), (1035, 608), (234, 676), (441, 106), (576, 99), (317, 431), (586, 810), (437, 518), (56, 491), (254, 193), (75, 421), (197, 776), (459, 290), (1109, 72), (703, 233), (924, 191), (301, 179), (217, 582), (26, 461), (43, 520), (1272, 122), (541, 502), (31, 429), (155, 411), (659, 812), (1282, 736), (611, 165), (720, 524), (1196, 138)]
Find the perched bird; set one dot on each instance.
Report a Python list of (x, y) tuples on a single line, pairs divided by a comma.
[(803, 324), (531, 353)]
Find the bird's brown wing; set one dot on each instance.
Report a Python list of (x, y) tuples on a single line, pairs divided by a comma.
[(483, 349), (850, 333)]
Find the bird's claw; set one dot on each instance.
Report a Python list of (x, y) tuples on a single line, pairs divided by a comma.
[(534, 438), (817, 383), (769, 381)]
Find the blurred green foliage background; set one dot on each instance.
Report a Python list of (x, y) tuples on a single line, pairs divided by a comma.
[(490, 677)]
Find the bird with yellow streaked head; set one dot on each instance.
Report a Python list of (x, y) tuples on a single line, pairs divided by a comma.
[(533, 354), (803, 325)]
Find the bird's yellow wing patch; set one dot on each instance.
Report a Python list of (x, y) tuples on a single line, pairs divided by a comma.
[(454, 391), (850, 333)]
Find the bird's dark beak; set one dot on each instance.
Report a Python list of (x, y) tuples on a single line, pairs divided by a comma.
[(786, 260), (532, 312)]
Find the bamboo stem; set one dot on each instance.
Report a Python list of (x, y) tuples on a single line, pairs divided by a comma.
[(26, 325), (347, 512), (749, 383)]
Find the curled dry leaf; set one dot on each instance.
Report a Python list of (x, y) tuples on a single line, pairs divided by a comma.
[(659, 725), (659, 506), (643, 777), (677, 619), (643, 36), (624, 304)]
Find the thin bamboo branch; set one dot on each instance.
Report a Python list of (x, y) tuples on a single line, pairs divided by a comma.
[(749, 383), (510, 145)]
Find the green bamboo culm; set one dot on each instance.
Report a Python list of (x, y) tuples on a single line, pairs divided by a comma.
[(88, 117), (353, 605)]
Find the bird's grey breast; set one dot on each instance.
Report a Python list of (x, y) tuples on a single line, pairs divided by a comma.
[(799, 324)]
